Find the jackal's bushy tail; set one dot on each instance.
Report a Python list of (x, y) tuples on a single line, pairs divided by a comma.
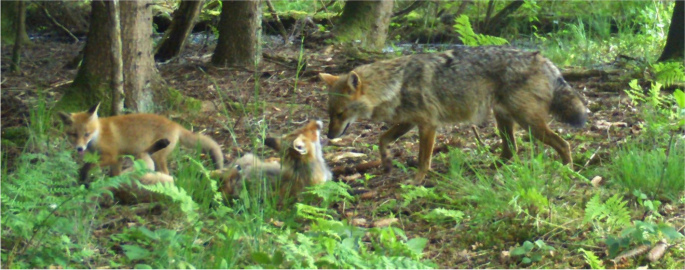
[(567, 105), (190, 139)]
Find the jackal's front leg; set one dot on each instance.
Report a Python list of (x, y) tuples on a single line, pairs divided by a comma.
[(426, 142), (389, 136)]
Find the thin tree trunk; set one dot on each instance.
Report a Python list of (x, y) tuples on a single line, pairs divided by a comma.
[(182, 24), (675, 47), (240, 31), (20, 26), (9, 21), (279, 24), (410, 8), (117, 62), (142, 83), (366, 21), (91, 84), (494, 26), (141, 77)]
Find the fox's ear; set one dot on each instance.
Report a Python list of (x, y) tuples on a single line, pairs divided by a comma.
[(328, 78), (319, 125), (355, 83), (93, 111), (300, 146), (273, 143), (66, 118)]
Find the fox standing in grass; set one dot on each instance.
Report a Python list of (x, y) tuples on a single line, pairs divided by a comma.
[(461, 85), (131, 134)]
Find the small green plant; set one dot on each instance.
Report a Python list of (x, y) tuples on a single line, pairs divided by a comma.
[(591, 259), (470, 38), (668, 73), (530, 253), (607, 216)]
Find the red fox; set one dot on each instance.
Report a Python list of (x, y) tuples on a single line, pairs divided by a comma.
[(302, 163), (135, 194), (131, 134)]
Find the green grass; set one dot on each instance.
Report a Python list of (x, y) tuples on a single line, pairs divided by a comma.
[(656, 171)]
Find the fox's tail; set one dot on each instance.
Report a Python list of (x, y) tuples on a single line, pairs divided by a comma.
[(158, 145), (567, 105), (190, 139)]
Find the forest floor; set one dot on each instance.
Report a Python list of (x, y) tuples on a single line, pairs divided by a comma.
[(277, 98)]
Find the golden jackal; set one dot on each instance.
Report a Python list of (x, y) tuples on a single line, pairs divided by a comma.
[(461, 85)]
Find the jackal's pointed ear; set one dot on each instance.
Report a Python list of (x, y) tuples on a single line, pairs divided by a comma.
[(66, 118), (355, 83), (93, 111), (328, 78)]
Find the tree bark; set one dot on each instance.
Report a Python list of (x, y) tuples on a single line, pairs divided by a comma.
[(117, 62), (675, 47), (20, 27), (493, 26), (141, 78), (240, 31), (182, 23), (9, 20), (93, 81), (366, 21)]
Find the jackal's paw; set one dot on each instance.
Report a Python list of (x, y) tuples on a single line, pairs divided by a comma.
[(387, 165)]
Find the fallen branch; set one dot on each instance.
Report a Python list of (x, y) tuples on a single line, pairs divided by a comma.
[(279, 24), (325, 7), (576, 75), (359, 168), (410, 8), (56, 23)]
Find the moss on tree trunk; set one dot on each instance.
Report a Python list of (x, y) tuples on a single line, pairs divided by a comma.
[(91, 84), (8, 10), (142, 83), (240, 31), (366, 21)]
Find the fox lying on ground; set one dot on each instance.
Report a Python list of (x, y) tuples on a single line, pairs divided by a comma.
[(301, 165), (131, 134), (461, 85), (135, 194)]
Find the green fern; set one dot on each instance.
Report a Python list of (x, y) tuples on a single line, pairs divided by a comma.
[(668, 73), (178, 195), (613, 212), (463, 27), (592, 259)]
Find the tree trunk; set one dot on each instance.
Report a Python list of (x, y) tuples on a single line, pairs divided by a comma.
[(20, 27), (240, 31), (117, 62), (9, 20), (675, 48), (93, 80), (91, 83), (140, 74), (182, 23), (366, 21), (492, 27)]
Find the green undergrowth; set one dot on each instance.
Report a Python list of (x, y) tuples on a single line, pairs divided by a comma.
[(50, 220)]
